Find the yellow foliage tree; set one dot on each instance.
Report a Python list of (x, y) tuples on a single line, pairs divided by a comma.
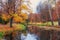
[(25, 7), (24, 16), (5, 17), (18, 16), (21, 16)]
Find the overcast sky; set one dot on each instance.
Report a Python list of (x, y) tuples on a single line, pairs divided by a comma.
[(35, 3)]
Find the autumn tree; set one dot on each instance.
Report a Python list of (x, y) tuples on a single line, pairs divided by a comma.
[(4, 17), (58, 10), (16, 9), (44, 11)]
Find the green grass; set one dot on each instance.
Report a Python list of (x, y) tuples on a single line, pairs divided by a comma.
[(45, 24), (23, 27)]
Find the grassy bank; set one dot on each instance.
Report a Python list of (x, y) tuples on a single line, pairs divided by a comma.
[(44, 24)]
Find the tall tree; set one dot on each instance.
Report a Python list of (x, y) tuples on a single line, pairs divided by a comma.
[(15, 8), (57, 10), (44, 11), (50, 13)]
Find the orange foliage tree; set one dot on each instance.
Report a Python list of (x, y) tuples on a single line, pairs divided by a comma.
[(21, 14), (18, 15)]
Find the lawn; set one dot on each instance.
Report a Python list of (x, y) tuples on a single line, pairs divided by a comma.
[(44, 24)]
